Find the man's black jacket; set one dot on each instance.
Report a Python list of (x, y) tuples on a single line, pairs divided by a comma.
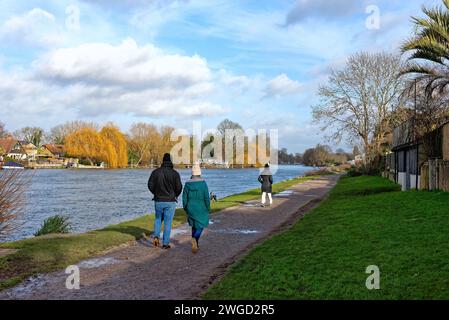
[(165, 183)]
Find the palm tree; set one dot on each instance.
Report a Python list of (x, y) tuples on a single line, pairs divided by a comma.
[(429, 49)]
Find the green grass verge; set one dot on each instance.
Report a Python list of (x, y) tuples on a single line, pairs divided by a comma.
[(365, 221), (49, 253)]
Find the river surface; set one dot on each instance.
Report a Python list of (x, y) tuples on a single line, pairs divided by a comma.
[(93, 199)]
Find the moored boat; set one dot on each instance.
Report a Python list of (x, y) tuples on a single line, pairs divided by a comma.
[(11, 165)]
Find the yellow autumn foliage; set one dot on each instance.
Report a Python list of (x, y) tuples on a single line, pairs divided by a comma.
[(108, 145), (118, 154)]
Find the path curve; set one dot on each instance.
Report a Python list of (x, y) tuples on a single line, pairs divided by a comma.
[(138, 271)]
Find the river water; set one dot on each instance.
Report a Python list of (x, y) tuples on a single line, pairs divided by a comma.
[(93, 199)]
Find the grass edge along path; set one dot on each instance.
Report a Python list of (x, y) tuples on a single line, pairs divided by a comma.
[(364, 221), (53, 252)]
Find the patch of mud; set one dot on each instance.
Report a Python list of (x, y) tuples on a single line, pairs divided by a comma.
[(146, 240), (284, 194), (251, 204), (28, 287), (178, 231), (237, 231), (212, 221), (98, 262)]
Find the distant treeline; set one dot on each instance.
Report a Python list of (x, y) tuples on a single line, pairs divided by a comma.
[(143, 145), (319, 156)]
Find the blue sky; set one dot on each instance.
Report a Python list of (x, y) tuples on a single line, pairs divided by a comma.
[(176, 61)]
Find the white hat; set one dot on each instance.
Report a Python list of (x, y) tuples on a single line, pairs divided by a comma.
[(196, 170)]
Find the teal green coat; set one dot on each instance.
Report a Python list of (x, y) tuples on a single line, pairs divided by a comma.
[(196, 202)]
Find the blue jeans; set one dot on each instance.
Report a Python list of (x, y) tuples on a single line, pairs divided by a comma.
[(165, 211), (196, 233)]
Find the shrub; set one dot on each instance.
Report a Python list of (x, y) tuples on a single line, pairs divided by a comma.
[(318, 172), (13, 184), (354, 172), (357, 171), (55, 224)]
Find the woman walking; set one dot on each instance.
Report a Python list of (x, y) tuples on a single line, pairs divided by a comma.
[(266, 179), (196, 202)]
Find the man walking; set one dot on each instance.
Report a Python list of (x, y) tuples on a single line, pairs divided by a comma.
[(165, 184)]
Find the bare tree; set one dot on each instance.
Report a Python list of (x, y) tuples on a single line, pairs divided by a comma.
[(13, 184), (32, 135), (429, 110), (222, 128), (60, 132), (228, 125), (3, 131), (142, 141), (318, 156), (359, 103)]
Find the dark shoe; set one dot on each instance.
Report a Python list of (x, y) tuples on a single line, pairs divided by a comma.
[(155, 242), (166, 247)]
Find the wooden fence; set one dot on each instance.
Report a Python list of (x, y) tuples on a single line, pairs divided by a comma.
[(435, 175)]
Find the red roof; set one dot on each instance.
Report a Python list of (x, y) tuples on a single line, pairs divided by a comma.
[(56, 149)]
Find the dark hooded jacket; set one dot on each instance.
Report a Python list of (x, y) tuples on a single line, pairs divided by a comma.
[(266, 179), (165, 183)]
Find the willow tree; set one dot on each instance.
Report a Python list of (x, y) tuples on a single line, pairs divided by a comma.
[(116, 146), (359, 102), (86, 143), (428, 49)]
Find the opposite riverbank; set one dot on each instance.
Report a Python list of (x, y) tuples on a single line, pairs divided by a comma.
[(48, 253)]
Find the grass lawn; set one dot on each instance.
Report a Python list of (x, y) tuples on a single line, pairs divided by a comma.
[(365, 221), (49, 253)]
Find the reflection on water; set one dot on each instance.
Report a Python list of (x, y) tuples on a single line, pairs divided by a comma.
[(96, 198)]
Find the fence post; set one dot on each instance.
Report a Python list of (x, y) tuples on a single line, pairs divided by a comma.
[(432, 174)]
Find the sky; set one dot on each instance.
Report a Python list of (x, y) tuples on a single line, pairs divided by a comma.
[(175, 62)]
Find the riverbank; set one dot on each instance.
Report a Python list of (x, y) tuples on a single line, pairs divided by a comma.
[(365, 221), (96, 199), (48, 253), (140, 272)]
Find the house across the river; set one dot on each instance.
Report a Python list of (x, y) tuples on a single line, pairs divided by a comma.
[(30, 156), (12, 148)]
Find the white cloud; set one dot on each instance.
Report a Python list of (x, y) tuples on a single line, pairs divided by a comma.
[(239, 82), (102, 79), (282, 85), (36, 27), (125, 65)]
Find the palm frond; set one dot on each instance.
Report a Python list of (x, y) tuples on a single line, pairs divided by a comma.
[(429, 48)]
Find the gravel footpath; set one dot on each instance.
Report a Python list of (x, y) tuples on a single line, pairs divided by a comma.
[(138, 271)]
